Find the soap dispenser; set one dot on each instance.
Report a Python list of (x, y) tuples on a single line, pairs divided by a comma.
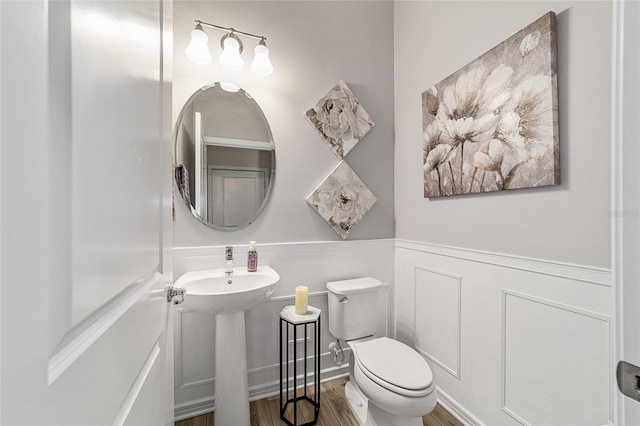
[(252, 257)]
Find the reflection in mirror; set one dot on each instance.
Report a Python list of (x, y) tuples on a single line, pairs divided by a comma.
[(224, 156)]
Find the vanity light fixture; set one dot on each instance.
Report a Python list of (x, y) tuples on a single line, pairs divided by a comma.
[(198, 50)]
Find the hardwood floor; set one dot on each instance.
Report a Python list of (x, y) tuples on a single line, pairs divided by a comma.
[(333, 411)]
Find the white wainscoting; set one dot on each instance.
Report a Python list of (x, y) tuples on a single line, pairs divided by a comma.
[(437, 310), (310, 263), (543, 386), (510, 340)]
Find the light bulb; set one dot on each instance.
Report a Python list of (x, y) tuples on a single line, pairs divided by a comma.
[(230, 57), (261, 64), (198, 50)]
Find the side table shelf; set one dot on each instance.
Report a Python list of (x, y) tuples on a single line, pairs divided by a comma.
[(309, 325)]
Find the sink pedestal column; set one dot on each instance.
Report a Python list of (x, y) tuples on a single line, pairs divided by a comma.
[(231, 386)]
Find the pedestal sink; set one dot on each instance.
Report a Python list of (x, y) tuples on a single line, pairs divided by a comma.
[(227, 296)]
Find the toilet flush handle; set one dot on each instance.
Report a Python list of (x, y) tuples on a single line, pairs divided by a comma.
[(344, 299)]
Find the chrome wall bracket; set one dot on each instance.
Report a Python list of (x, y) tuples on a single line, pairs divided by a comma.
[(176, 294)]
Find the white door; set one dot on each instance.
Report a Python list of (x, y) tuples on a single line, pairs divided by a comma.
[(626, 208), (85, 213), (235, 195)]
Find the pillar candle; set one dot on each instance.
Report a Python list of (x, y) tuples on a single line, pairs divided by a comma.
[(302, 299)]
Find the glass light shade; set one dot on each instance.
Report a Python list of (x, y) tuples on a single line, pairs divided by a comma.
[(230, 57), (198, 50), (229, 87), (261, 64)]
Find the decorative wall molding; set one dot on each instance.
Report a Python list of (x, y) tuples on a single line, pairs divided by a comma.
[(271, 388), (481, 278), (587, 274), (312, 264), (268, 389), (326, 359), (194, 408), (563, 307), (263, 389), (583, 294), (179, 346), (454, 370), (457, 410), (180, 253), (385, 288)]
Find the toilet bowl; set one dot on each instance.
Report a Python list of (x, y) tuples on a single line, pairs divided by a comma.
[(390, 383), (394, 377)]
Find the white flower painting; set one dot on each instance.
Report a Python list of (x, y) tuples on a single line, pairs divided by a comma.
[(493, 124), (340, 119), (342, 199)]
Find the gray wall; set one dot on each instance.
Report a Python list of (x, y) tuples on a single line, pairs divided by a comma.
[(313, 45), (568, 223)]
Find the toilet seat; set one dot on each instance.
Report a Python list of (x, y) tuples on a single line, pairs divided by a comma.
[(394, 366)]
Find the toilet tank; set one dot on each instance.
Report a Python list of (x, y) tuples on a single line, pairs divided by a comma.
[(353, 307)]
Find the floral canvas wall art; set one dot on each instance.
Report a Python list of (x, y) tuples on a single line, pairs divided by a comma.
[(340, 119), (342, 199), (492, 125)]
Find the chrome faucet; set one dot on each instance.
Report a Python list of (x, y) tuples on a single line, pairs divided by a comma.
[(228, 264)]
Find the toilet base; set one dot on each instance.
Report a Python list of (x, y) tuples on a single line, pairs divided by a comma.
[(368, 414), (357, 402)]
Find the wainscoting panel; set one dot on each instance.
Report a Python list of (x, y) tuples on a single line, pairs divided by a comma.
[(312, 264), (437, 332), (533, 337), (195, 353), (547, 377)]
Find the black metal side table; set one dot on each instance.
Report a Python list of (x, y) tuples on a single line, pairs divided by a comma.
[(290, 321)]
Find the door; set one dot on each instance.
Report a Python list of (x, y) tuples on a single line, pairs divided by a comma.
[(626, 208), (235, 195), (85, 196)]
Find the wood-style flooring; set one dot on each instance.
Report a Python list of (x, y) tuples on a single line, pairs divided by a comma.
[(333, 411)]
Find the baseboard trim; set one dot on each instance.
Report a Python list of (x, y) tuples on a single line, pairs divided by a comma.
[(201, 406), (270, 389), (457, 410), (194, 408)]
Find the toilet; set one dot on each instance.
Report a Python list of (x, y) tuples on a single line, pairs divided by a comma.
[(390, 384)]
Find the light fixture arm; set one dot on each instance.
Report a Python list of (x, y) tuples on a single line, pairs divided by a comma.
[(229, 29), (231, 45)]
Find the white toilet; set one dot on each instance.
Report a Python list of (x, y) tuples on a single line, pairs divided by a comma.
[(390, 383)]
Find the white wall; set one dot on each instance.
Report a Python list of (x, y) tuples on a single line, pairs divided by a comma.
[(313, 45), (509, 295), (569, 222), (312, 264), (510, 340), (515, 290)]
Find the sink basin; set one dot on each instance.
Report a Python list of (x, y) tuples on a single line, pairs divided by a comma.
[(213, 291), (227, 297)]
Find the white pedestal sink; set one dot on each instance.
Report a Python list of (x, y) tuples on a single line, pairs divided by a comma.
[(227, 296)]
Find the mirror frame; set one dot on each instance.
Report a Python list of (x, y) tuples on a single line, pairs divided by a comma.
[(267, 195)]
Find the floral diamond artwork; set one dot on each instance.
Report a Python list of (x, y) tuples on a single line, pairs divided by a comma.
[(342, 199), (493, 124), (340, 119)]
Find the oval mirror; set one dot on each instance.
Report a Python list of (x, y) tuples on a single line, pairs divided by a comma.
[(224, 157)]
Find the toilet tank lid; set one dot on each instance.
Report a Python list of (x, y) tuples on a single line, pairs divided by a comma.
[(354, 286)]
